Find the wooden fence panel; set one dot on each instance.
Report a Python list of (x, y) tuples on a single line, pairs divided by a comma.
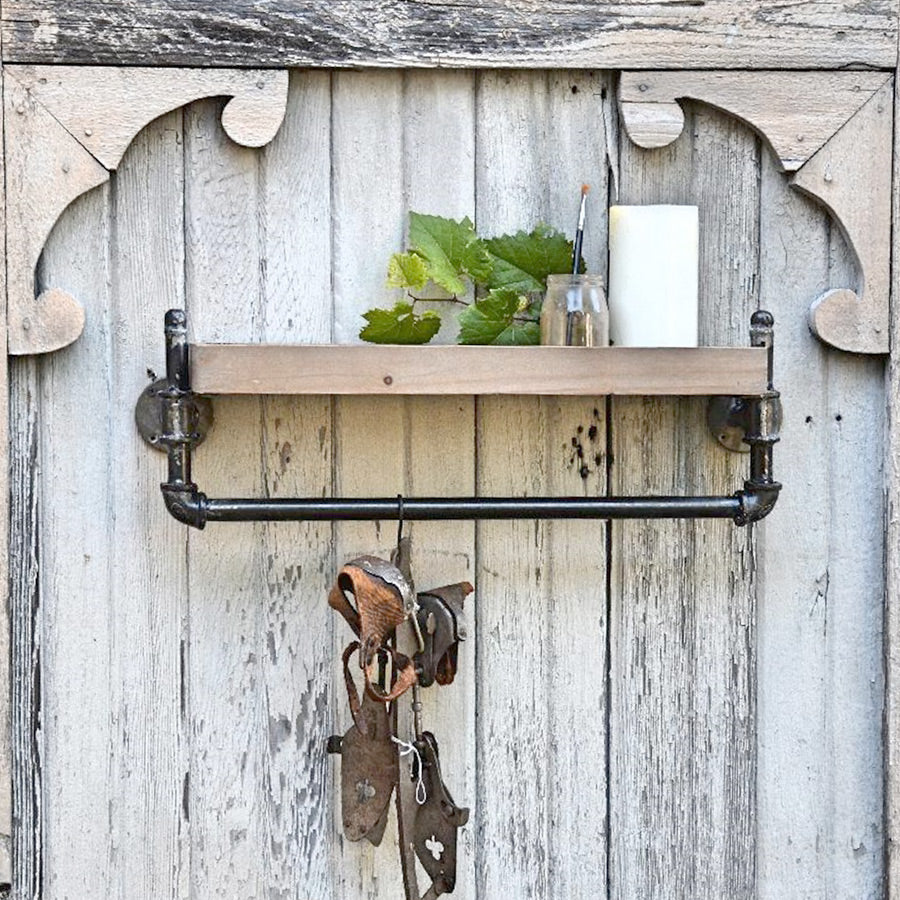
[(25, 628), (188, 682)]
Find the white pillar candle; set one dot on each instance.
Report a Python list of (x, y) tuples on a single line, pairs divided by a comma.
[(653, 272)]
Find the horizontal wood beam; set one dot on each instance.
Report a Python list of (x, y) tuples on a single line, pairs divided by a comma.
[(405, 370), (461, 33)]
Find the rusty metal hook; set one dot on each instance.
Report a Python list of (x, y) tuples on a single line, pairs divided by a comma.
[(399, 520)]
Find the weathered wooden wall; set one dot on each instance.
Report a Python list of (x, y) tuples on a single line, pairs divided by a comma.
[(637, 34), (659, 710)]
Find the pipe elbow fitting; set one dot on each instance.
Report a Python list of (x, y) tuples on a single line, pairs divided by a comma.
[(757, 499), (185, 503)]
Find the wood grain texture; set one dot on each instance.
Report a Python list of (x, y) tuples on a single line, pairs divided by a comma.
[(637, 34), (820, 584), (796, 112), (255, 369), (261, 698), (120, 795), (891, 646), (682, 729), (439, 178), (297, 624), (857, 320), (227, 801), (104, 107), (541, 602), (148, 754), (79, 718), (513, 768), (576, 561), (25, 630), (815, 121), (39, 153), (6, 774), (370, 433)]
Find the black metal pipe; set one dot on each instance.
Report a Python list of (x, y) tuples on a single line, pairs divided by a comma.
[(763, 428), (458, 508), (178, 372), (178, 426), (192, 507)]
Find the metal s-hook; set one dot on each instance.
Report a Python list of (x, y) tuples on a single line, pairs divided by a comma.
[(399, 521)]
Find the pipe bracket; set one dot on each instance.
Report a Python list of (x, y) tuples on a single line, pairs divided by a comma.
[(150, 416)]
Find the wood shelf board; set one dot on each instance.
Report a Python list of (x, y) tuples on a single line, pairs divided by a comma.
[(406, 370)]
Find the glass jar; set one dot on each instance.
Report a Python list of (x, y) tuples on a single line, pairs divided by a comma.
[(575, 313)]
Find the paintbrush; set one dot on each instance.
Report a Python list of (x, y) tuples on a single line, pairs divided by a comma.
[(576, 259)]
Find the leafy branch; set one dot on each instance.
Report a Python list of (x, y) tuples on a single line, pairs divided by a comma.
[(507, 276)]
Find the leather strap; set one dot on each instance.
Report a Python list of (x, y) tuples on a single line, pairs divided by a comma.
[(352, 694), (382, 596)]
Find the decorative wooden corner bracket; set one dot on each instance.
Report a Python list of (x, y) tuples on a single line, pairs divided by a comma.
[(66, 129), (832, 132)]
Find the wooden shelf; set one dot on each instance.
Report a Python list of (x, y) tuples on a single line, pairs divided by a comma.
[(405, 370)]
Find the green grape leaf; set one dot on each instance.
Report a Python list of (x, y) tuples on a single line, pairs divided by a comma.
[(407, 270), (491, 321), (450, 250), (520, 333), (400, 325), (522, 261)]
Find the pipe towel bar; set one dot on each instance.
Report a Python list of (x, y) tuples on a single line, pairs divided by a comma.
[(179, 415)]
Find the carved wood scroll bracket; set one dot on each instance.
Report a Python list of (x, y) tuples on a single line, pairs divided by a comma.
[(67, 128), (832, 133)]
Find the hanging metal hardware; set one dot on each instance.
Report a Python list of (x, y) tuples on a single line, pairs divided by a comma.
[(181, 413), (378, 600)]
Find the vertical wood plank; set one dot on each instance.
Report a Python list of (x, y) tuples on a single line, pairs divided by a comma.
[(855, 628), (541, 613), (820, 684), (891, 646), (6, 812), (511, 817), (77, 561), (295, 667), (25, 632), (370, 432), (793, 576), (227, 573), (439, 179), (148, 752), (682, 725), (576, 595)]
